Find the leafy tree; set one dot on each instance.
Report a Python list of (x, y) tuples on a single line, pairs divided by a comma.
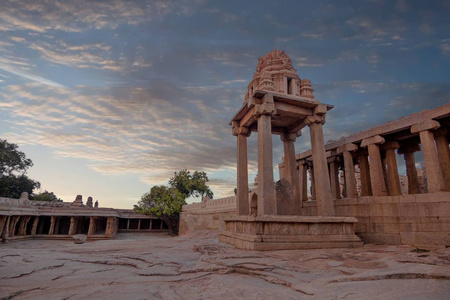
[(46, 196), (163, 202), (13, 186), (12, 161), (13, 167), (191, 184)]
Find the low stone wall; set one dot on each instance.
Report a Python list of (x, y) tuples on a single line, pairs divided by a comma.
[(420, 220), (206, 215)]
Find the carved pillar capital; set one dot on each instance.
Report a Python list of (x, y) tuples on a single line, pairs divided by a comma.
[(428, 124), (350, 147), (290, 136), (241, 131), (390, 145), (377, 139), (315, 119)]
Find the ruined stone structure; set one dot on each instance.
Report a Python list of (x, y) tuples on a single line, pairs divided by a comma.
[(23, 218), (279, 102), (370, 189)]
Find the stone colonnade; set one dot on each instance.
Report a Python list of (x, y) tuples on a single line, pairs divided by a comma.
[(376, 158), (144, 225), (12, 226)]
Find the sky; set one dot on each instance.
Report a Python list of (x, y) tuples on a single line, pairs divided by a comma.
[(109, 98)]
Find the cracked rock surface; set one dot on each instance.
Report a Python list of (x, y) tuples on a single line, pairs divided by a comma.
[(198, 266)]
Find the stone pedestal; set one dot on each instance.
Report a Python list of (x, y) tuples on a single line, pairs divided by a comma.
[(289, 232)]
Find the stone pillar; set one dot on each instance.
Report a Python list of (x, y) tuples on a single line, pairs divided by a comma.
[(291, 175), (325, 206), (366, 188), (35, 224), (151, 222), (52, 225), (435, 180), (23, 225), (375, 166), (73, 225), (303, 179), (5, 232), (56, 231), (411, 171), (3, 220), (440, 136), (385, 173), (349, 169), (12, 227), (109, 232), (392, 169), (333, 163), (242, 204), (266, 193), (92, 226)]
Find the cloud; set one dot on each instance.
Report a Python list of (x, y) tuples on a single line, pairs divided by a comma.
[(122, 130), (19, 68), (77, 16)]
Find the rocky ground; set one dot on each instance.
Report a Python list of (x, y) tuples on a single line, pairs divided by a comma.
[(197, 266)]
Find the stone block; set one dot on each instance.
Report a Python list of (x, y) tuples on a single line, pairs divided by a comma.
[(79, 238), (407, 210), (425, 239), (407, 198), (445, 227), (429, 227), (435, 209), (319, 229), (383, 210), (363, 210)]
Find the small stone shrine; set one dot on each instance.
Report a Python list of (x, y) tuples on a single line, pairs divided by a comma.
[(279, 102)]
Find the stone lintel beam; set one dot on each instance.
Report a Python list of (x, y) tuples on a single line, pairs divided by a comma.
[(390, 145), (427, 124), (377, 139), (408, 149), (350, 147)]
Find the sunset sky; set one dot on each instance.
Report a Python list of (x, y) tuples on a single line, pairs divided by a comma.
[(109, 98)]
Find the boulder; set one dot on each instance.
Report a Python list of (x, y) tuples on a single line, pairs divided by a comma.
[(79, 238)]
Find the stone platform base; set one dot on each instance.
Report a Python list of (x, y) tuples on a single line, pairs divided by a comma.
[(289, 232)]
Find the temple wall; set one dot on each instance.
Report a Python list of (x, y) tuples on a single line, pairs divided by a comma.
[(420, 220), (206, 216)]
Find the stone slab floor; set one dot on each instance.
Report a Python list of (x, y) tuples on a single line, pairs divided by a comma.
[(197, 266)]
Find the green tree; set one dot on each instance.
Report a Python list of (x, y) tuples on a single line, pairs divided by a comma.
[(13, 167), (46, 196), (12, 186), (191, 184), (12, 161), (163, 202)]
